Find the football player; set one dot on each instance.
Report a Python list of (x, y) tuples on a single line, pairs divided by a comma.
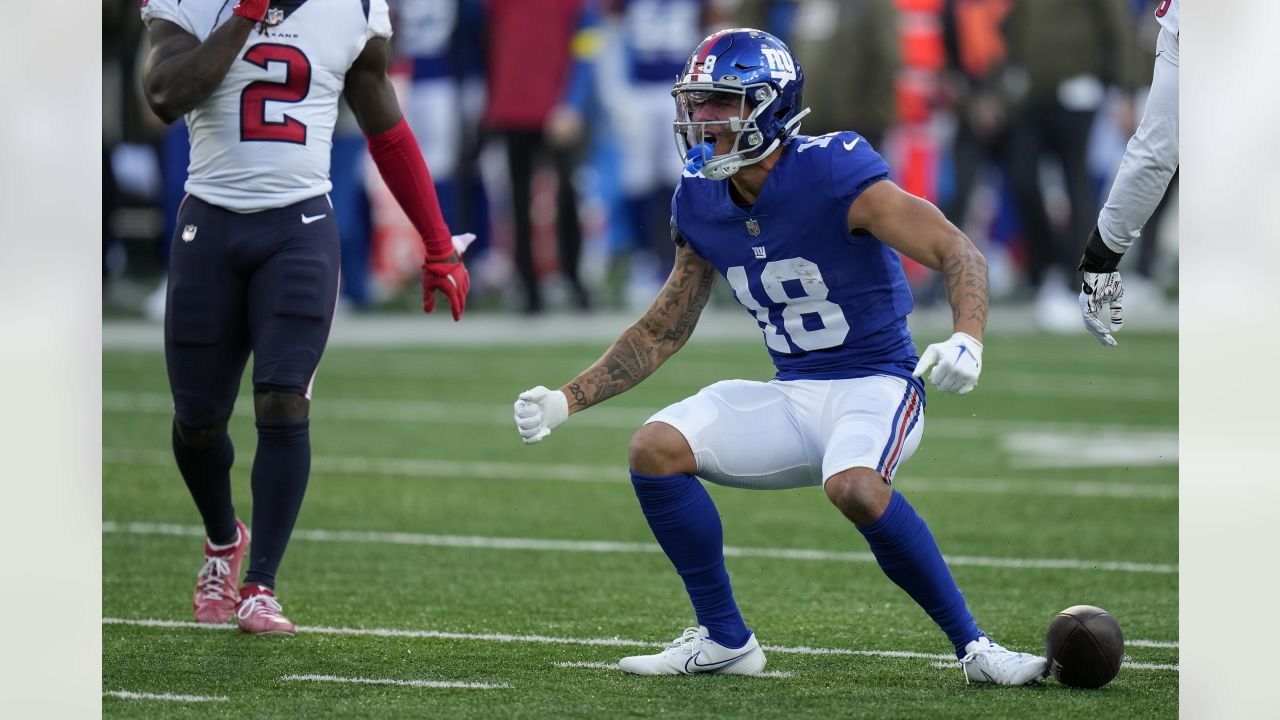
[(805, 230), (1149, 162), (254, 262)]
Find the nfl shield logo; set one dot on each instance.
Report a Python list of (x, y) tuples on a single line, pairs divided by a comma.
[(275, 16), (753, 227)]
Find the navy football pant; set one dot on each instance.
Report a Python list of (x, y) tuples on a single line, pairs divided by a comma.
[(263, 283)]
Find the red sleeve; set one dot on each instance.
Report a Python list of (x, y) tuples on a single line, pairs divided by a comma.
[(399, 161)]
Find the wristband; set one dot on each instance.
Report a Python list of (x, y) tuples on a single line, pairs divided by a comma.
[(1098, 258)]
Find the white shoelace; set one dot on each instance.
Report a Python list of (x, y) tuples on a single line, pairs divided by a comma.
[(263, 605), (211, 576), (682, 643)]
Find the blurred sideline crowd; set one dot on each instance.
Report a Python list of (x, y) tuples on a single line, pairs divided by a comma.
[(546, 125)]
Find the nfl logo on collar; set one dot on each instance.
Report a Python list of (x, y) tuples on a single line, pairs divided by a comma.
[(275, 16), (753, 227)]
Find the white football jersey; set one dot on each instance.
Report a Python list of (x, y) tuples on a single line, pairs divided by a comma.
[(262, 139), (1167, 14)]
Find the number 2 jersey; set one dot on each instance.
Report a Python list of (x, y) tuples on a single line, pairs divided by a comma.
[(262, 139), (831, 304)]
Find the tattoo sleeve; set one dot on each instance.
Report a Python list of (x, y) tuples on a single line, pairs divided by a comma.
[(656, 336), (965, 272)]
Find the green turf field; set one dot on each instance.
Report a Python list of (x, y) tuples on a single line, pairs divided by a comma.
[(435, 547)]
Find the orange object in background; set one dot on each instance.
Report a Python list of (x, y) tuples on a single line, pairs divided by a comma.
[(912, 144)]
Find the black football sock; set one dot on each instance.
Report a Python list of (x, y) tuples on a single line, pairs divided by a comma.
[(279, 480), (207, 473)]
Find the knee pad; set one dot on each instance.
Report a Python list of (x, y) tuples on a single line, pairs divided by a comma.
[(200, 436), (277, 406)]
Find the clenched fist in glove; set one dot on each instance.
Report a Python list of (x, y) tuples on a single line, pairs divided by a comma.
[(449, 276), (538, 412), (956, 363)]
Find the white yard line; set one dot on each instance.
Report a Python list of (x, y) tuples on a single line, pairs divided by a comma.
[(548, 640), (611, 417), (425, 468), (609, 546), (1152, 643), (401, 683), (130, 695)]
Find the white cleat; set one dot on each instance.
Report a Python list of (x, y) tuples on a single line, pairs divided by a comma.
[(985, 661), (695, 652)]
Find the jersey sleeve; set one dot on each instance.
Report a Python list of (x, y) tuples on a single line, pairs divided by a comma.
[(855, 166), (166, 10), (379, 20)]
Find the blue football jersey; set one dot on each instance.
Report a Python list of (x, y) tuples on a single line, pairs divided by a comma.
[(831, 304), (659, 35)]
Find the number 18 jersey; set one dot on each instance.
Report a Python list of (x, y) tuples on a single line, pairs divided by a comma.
[(262, 140), (831, 304)]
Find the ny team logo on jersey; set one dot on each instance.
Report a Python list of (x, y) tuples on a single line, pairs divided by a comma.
[(780, 65)]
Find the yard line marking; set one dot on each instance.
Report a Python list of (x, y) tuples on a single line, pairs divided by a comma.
[(424, 468), (538, 639), (1149, 666), (401, 683), (614, 666), (611, 417), (1151, 643), (1126, 664), (611, 546), (130, 695)]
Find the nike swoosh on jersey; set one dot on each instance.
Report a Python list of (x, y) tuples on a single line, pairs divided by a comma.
[(308, 219), (850, 145)]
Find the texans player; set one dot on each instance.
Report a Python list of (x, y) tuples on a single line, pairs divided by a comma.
[(805, 230), (254, 263), (1149, 162)]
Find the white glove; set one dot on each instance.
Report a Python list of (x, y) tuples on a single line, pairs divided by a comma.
[(1100, 296), (956, 363), (538, 412)]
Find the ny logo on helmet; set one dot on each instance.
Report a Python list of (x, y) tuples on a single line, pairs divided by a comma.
[(780, 65)]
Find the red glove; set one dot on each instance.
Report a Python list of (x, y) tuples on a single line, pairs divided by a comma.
[(449, 276), (254, 10)]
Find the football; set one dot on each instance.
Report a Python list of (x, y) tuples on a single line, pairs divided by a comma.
[(1084, 647)]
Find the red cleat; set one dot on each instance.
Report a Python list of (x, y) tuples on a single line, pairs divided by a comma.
[(259, 612), (215, 598)]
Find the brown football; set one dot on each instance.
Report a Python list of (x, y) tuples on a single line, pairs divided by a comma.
[(1084, 647)]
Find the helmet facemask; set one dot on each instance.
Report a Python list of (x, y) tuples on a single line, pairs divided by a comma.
[(748, 148)]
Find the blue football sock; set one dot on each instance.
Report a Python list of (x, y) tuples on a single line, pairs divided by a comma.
[(687, 526), (279, 480), (207, 472), (907, 553)]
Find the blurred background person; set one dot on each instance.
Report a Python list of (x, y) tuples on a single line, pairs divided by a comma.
[(974, 40), (853, 47), (1061, 61), (540, 88), (655, 38)]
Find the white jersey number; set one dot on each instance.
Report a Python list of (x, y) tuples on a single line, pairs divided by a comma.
[(814, 302), (254, 124)]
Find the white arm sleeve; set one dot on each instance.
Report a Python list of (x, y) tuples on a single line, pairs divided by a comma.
[(379, 20), (167, 10), (1151, 157)]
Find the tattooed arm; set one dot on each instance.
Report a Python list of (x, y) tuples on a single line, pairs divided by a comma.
[(917, 229), (656, 336)]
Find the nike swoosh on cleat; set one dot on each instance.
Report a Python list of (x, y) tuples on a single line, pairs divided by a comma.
[(850, 145), (719, 664), (308, 219)]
